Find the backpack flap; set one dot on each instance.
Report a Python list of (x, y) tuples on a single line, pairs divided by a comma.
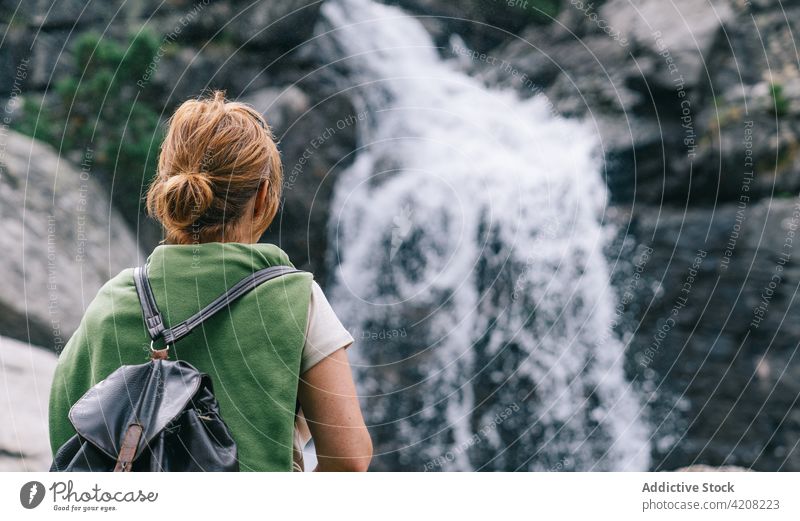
[(151, 395)]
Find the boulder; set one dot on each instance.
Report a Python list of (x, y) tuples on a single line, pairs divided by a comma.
[(188, 70), (61, 241), (687, 29), (25, 376)]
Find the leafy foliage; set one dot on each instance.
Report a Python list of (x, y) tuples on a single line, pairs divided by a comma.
[(102, 108), (537, 11), (780, 103)]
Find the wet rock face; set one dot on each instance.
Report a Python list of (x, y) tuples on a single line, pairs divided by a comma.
[(25, 379), (61, 241), (720, 377), (711, 317)]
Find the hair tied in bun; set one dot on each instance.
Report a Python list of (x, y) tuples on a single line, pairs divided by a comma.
[(187, 196)]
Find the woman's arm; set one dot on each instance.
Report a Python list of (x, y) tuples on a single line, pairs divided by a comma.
[(328, 398)]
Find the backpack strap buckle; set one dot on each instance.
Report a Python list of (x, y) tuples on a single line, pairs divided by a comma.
[(159, 354)]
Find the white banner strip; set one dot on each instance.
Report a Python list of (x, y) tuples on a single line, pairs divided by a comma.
[(235, 497)]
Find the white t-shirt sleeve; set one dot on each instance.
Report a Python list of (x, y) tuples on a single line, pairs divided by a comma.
[(325, 334)]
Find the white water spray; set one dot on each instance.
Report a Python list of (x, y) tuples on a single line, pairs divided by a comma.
[(468, 254)]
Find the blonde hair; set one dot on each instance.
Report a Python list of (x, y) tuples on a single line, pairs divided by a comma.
[(213, 160)]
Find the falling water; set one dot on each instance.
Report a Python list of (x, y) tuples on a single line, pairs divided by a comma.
[(468, 256)]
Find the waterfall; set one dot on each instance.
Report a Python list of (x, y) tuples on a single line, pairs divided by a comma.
[(467, 247)]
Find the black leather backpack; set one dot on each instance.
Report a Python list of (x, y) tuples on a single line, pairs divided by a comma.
[(159, 416)]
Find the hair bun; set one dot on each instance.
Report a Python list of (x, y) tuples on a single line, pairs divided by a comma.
[(186, 196)]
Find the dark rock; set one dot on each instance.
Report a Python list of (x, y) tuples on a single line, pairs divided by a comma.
[(43, 31), (189, 71), (28, 63), (277, 27), (238, 45), (685, 28), (714, 324)]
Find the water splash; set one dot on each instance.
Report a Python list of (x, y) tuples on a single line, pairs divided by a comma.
[(468, 253)]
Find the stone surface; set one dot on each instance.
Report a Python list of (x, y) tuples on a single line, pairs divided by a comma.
[(26, 373), (687, 28), (712, 320), (68, 13), (61, 241)]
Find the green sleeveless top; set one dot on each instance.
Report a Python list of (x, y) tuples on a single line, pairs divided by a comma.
[(252, 351)]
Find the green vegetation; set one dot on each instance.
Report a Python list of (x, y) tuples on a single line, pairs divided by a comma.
[(780, 103), (550, 8), (101, 108), (535, 11)]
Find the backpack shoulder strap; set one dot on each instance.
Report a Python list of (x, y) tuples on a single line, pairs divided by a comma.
[(155, 323), (152, 317)]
